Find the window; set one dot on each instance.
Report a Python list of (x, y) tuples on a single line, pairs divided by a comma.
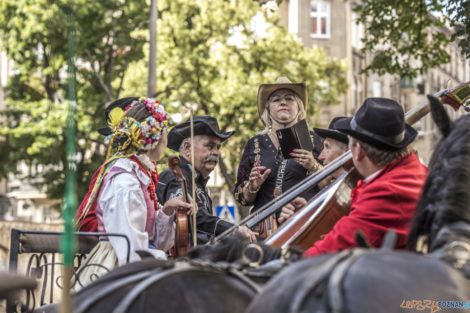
[(320, 19), (293, 17), (357, 32), (353, 95), (376, 89)]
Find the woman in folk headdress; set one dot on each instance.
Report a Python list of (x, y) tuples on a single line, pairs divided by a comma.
[(263, 173), (123, 195)]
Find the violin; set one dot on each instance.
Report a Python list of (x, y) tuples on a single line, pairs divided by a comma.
[(181, 216)]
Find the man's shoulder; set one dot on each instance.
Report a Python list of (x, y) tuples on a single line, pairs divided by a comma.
[(166, 180), (406, 177), (406, 168), (168, 187), (166, 175)]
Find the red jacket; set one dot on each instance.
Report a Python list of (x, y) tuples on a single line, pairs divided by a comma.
[(387, 202)]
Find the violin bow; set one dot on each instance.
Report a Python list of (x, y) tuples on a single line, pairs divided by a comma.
[(193, 177)]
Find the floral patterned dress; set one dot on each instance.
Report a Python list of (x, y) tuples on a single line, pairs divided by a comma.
[(285, 173)]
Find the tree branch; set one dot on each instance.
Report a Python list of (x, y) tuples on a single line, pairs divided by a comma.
[(118, 92), (98, 77), (111, 62)]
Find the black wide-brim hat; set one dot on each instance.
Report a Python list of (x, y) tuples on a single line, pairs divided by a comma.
[(332, 131), (203, 125), (379, 122), (122, 103)]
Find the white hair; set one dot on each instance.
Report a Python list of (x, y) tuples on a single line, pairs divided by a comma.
[(188, 140)]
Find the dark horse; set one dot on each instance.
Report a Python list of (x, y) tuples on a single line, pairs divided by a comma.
[(166, 286), (364, 280)]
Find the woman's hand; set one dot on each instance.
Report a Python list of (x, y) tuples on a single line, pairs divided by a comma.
[(304, 158), (170, 206), (257, 179), (289, 209)]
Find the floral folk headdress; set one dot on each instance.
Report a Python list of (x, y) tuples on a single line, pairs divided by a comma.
[(139, 136)]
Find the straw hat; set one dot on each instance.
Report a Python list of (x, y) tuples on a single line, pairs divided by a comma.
[(265, 90)]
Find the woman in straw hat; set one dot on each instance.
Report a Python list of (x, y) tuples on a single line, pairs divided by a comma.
[(263, 173), (123, 194)]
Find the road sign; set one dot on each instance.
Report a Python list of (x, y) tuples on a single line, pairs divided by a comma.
[(226, 212)]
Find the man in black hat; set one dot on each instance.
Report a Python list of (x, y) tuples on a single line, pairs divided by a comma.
[(335, 143), (207, 141), (393, 177)]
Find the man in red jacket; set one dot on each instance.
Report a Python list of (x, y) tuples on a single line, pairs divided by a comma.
[(393, 177)]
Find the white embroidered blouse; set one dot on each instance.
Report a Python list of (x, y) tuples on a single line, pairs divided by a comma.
[(124, 206)]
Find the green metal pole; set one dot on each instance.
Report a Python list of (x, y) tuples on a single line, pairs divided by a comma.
[(70, 199)]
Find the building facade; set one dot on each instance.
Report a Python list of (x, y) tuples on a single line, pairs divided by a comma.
[(331, 24)]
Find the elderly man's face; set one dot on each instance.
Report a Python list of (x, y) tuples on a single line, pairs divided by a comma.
[(206, 154), (331, 150)]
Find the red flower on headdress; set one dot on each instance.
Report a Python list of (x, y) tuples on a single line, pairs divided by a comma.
[(157, 116)]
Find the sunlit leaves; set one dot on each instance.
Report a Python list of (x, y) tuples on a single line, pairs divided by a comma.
[(409, 37)]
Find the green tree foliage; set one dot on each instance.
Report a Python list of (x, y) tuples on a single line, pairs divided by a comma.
[(33, 33), (411, 36), (209, 55)]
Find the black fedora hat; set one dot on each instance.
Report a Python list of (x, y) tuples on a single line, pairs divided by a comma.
[(332, 131), (122, 103), (379, 122), (203, 125)]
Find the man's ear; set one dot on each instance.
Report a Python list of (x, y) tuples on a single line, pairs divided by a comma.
[(360, 154), (187, 149)]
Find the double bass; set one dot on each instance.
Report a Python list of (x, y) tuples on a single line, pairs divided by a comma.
[(321, 213)]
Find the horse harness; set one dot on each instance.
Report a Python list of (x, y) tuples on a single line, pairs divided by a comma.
[(142, 280)]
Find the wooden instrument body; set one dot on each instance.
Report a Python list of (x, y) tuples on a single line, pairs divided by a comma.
[(181, 232), (181, 245), (319, 216)]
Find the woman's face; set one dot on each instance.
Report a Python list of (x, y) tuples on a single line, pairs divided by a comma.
[(283, 107), (156, 153)]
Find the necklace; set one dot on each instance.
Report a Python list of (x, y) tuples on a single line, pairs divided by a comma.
[(273, 138)]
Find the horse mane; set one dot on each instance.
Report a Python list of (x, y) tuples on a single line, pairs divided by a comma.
[(445, 198)]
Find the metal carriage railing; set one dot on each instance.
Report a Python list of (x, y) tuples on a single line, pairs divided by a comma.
[(44, 263)]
